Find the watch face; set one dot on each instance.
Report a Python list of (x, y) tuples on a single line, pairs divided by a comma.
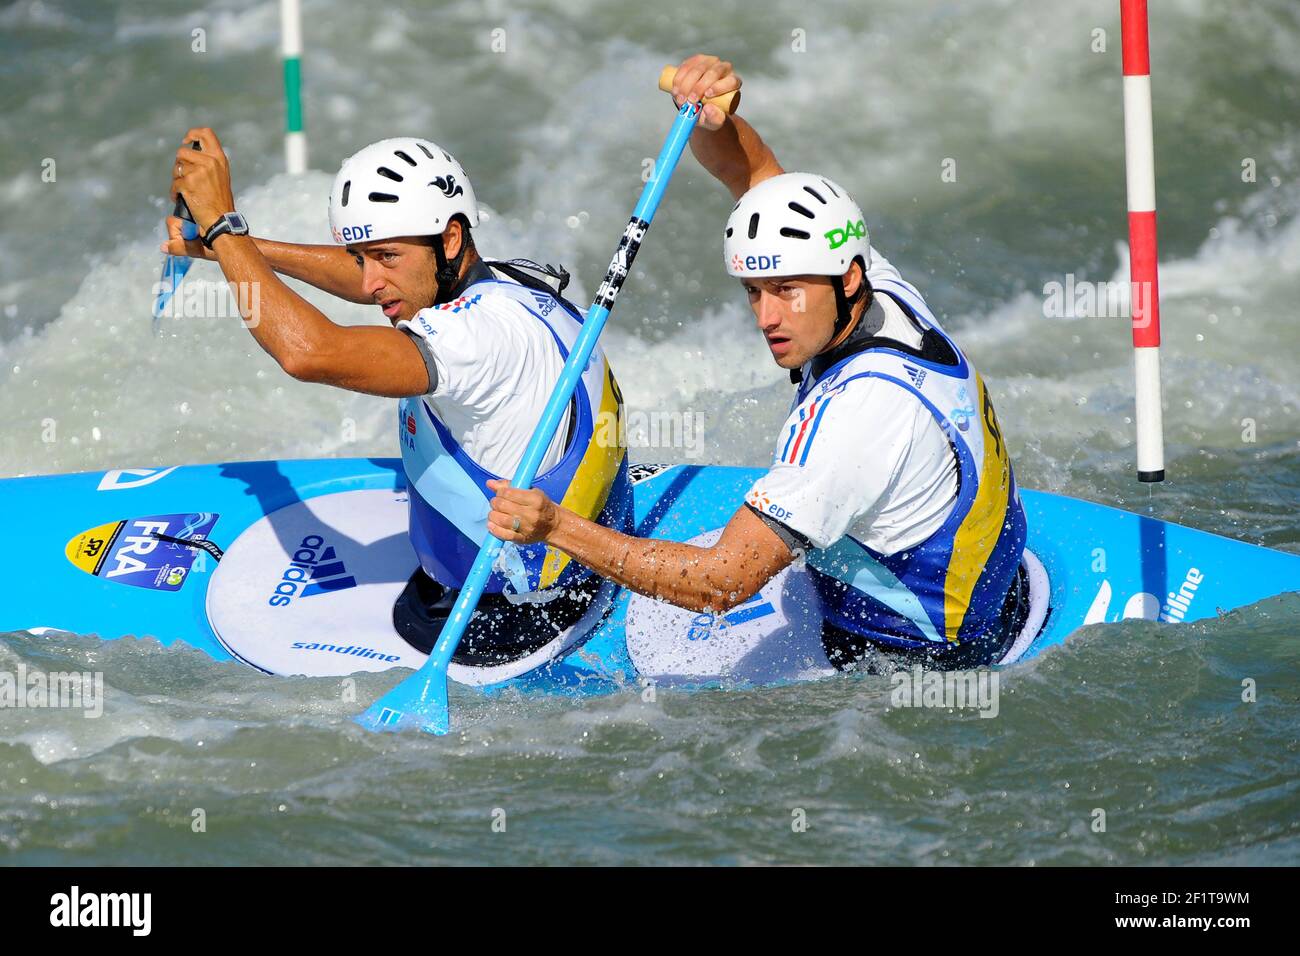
[(238, 224)]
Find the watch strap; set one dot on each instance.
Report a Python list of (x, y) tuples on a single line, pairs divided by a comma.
[(219, 228)]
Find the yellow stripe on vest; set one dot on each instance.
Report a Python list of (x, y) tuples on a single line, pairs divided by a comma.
[(978, 533), (591, 484)]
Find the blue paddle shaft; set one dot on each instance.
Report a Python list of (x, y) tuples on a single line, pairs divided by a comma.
[(433, 693), (642, 215)]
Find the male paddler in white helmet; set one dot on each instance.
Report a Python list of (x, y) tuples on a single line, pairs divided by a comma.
[(473, 350), (890, 473)]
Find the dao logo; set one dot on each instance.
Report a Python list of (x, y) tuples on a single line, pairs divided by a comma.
[(851, 230), (315, 569), (357, 233), (762, 262)]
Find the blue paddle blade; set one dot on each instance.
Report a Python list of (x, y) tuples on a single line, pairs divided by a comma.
[(412, 705), (173, 271)]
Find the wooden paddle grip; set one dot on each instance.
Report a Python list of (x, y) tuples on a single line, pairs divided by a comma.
[(727, 102)]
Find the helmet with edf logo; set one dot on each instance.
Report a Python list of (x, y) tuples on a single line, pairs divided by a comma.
[(399, 187), (795, 224)]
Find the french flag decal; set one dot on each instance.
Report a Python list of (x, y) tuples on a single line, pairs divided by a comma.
[(799, 442)]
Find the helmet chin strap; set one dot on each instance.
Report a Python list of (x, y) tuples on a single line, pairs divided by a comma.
[(845, 321), (448, 270)]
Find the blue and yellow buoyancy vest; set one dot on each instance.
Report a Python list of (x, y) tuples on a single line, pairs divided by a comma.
[(950, 588), (449, 494)]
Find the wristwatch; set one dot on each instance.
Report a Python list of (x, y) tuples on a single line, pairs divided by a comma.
[(231, 222)]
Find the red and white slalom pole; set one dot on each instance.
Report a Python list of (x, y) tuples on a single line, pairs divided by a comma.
[(1139, 162)]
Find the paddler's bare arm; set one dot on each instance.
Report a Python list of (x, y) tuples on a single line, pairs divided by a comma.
[(330, 268), (713, 579), (727, 146), (371, 359)]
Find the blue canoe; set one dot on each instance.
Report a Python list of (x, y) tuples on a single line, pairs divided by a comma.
[(306, 557)]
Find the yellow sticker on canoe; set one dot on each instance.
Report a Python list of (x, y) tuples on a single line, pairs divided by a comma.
[(88, 549)]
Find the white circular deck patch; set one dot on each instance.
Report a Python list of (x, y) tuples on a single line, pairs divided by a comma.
[(773, 637), (309, 589)]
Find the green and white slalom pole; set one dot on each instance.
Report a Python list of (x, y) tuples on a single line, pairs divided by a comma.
[(295, 140)]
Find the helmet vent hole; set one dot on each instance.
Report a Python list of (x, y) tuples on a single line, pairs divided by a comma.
[(347, 188), (425, 149), (802, 210), (382, 197), (446, 155), (815, 194), (794, 233), (404, 157), (753, 225), (729, 232), (389, 174), (828, 185)]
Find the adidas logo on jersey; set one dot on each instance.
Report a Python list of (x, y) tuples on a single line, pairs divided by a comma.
[(545, 303)]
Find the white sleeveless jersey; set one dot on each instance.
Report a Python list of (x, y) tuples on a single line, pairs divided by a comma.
[(502, 346), (496, 367), (951, 585), (872, 463)]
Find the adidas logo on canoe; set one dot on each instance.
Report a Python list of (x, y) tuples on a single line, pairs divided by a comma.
[(315, 569)]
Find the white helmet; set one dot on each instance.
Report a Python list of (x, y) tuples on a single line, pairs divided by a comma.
[(795, 224), (399, 187)]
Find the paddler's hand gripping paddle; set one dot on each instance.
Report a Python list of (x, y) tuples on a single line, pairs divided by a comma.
[(175, 267), (420, 701)]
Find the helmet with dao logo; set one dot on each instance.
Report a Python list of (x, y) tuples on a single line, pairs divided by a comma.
[(795, 224)]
